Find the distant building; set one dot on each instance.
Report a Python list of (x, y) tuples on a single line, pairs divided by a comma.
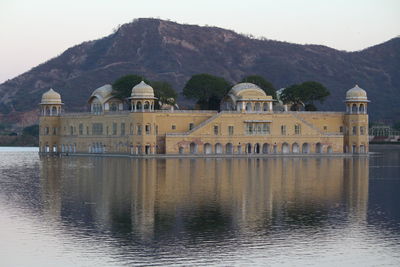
[(247, 124)]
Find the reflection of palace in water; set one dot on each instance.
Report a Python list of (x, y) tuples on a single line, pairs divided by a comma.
[(171, 194)]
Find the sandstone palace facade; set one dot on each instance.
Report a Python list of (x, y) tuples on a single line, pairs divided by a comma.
[(246, 125)]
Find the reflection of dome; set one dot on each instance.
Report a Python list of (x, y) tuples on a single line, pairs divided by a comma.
[(142, 90), (247, 91), (356, 93), (51, 97)]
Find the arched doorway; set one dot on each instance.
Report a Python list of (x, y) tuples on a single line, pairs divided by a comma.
[(248, 148), (229, 148), (318, 148), (257, 148), (193, 148), (207, 148), (218, 148), (305, 149), (295, 148), (285, 148), (265, 148)]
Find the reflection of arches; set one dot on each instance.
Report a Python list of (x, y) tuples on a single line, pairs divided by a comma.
[(285, 148), (193, 148), (295, 148), (257, 149), (248, 148), (207, 148), (329, 150), (229, 148), (305, 149), (218, 148), (318, 148), (265, 148)]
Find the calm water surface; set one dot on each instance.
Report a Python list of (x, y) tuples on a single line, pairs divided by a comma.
[(92, 211)]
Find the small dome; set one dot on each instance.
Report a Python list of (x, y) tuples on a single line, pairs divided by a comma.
[(142, 90), (51, 97), (356, 93)]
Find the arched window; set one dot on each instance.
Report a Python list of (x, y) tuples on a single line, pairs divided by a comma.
[(295, 148), (248, 148), (285, 148), (138, 105), (265, 148), (181, 150), (248, 107), (362, 109), (207, 148), (193, 148), (318, 148), (329, 150), (257, 107), (218, 148), (146, 105), (54, 111), (265, 107), (113, 107), (305, 148), (257, 149), (229, 148), (354, 108)]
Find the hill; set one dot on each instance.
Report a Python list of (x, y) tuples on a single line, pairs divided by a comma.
[(164, 50)]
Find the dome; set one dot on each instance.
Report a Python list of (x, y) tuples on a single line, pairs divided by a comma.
[(51, 97), (247, 91), (356, 94), (103, 92), (142, 90)]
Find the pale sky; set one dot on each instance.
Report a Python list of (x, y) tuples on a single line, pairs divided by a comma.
[(33, 31)]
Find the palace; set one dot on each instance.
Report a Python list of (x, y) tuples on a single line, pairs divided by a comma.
[(247, 124)]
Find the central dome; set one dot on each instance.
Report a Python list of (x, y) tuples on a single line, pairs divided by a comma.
[(142, 90), (51, 97), (247, 91)]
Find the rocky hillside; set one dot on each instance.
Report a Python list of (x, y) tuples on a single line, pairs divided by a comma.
[(164, 50)]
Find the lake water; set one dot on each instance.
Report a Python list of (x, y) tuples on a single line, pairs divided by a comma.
[(98, 211)]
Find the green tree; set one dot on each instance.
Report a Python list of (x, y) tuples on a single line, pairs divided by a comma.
[(164, 92), (268, 88), (305, 94), (396, 126), (32, 130), (123, 86), (207, 89)]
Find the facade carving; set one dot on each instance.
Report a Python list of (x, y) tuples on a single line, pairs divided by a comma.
[(246, 125)]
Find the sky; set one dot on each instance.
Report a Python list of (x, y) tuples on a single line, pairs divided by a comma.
[(33, 31)]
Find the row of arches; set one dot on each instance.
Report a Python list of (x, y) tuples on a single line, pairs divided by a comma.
[(356, 108), (257, 148), (137, 105), (50, 110)]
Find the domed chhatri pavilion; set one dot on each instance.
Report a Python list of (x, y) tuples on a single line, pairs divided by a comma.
[(246, 125)]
